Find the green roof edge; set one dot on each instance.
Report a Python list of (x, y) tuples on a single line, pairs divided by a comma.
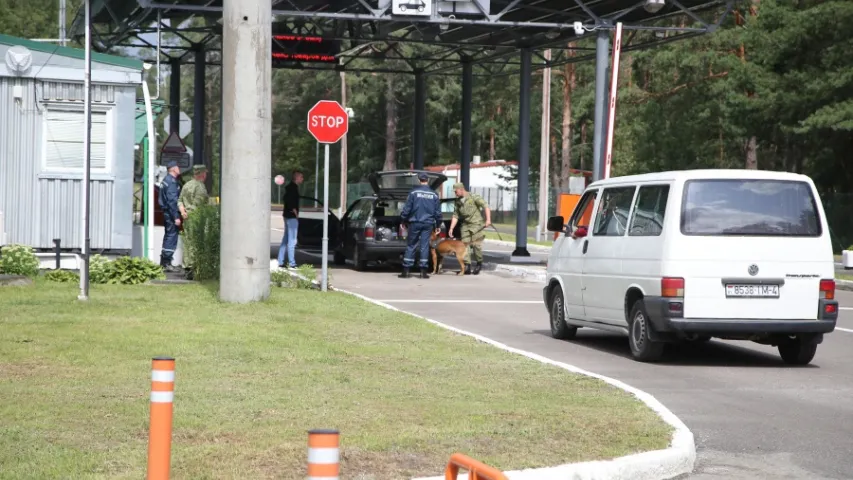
[(71, 52)]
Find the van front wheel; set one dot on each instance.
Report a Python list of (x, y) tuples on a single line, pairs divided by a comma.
[(642, 348), (559, 328), (798, 351)]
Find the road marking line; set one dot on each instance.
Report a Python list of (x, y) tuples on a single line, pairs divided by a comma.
[(845, 308), (844, 329), (461, 301)]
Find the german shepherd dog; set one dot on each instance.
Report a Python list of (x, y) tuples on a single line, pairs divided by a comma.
[(440, 248)]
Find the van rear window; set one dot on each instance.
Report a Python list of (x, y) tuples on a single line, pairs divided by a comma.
[(749, 207)]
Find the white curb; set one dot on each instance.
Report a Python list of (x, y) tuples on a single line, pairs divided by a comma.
[(529, 274), (534, 247), (678, 459)]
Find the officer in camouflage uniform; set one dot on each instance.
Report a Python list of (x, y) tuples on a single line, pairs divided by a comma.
[(467, 208), (193, 195)]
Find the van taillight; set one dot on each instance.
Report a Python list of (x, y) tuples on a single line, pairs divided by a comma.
[(827, 289), (672, 287), (368, 232)]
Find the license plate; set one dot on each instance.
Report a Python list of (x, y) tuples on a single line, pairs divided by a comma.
[(752, 291)]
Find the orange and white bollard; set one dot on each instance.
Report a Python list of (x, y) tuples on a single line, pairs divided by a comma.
[(323, 455), (160, 427)]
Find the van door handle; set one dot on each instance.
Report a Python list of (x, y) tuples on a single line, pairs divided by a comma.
[(585, 244)]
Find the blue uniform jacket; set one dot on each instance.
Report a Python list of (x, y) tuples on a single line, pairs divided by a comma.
[(422, 206), (169, 192)]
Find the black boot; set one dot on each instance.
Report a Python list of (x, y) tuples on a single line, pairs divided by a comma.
[(405, 273), (424, 273), (477, 267), (467, 269)]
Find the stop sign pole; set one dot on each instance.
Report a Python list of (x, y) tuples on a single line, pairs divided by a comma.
[(328, 122)]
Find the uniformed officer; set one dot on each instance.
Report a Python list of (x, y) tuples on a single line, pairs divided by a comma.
[(467, 208), (423, 214), (193, 195), (168, 199)]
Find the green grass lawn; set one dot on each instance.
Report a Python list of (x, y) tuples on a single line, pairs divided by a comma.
[(252, 379)]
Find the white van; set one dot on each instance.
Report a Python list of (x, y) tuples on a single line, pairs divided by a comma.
[(690, 255)]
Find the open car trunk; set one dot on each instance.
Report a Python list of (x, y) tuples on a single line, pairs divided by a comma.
[(387, 222), (396, 184)]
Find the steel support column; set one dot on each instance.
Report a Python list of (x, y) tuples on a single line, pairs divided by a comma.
[(246, 151), (602, 60), (199, 91), (523, 155), (419, 121), (467, 93), (175, 95)]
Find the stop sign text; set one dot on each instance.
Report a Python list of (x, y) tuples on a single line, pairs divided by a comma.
[(328, 121)]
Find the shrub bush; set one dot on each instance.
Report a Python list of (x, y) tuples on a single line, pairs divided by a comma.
[(283, 278), (18, 260), (202, 242), (62, 276), (98, 265)]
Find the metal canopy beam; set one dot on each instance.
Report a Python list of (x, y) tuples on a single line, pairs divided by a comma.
[(489, 36)]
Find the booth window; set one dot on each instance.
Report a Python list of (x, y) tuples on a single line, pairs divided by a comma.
[(64, 132)]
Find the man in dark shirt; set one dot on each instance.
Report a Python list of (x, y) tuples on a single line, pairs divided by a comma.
[(291, 221), (423, 214)]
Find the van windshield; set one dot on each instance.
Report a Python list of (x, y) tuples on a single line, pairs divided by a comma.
[(749, 207)]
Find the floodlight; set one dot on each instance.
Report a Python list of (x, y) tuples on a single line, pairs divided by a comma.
[(654, 6)]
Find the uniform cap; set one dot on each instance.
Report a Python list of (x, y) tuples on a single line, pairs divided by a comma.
[(172, 164), (423, 177), (459, 185), (199, 169)]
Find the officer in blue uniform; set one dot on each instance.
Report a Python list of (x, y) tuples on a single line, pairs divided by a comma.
[(168, 198), (423, 214)]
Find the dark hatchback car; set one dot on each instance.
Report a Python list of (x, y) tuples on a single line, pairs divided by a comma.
[(372, 229)]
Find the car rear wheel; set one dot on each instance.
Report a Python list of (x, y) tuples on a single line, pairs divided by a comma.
[(559, 328), (642, 347), (798, 351), (358, 260)]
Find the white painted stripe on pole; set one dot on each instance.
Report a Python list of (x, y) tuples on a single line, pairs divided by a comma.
[(162, 375), (162, 397), (323, 455)]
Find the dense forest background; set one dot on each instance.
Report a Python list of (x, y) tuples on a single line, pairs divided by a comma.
[(772, 89)]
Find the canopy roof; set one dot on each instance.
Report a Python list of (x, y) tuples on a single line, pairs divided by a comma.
[(488, 33)]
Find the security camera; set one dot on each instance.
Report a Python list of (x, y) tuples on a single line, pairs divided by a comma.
[(654, 6), (578, 28)]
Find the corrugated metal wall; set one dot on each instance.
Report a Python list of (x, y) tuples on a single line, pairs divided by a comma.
[(61, 210), (20, 146), (40, 206)]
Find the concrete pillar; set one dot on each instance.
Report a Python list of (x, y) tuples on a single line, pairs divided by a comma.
[(419, 121), (175, 95), (198, 106), (602, 61), (523, 156), (467, 93), (246, 150)]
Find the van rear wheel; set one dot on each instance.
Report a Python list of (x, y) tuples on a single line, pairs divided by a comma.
[(798, 351), (642, 348), (559, 328)]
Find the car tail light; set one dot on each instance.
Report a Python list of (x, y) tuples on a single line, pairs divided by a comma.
[(368, 232), (672, 287), (830, 309), (827, 289)]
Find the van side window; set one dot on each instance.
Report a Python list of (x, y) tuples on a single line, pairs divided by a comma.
[(649, 211), (583, 212), (611, 219)]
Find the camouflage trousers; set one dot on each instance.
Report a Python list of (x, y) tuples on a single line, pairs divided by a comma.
[(475, 235)]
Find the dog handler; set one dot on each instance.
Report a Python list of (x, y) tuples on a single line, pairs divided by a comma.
[(423, 214), (467, 208)]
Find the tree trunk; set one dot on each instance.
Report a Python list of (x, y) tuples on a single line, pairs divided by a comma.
[(569, 80), (390, 125), (752, 153), (554, 172), (583, 142), (492, 141)]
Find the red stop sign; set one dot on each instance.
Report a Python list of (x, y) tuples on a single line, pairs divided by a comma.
[(328, 121)]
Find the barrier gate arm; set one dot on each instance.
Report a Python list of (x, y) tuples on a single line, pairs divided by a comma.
[(476, 470)]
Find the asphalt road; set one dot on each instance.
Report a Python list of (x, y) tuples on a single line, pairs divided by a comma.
[(753, 416)]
